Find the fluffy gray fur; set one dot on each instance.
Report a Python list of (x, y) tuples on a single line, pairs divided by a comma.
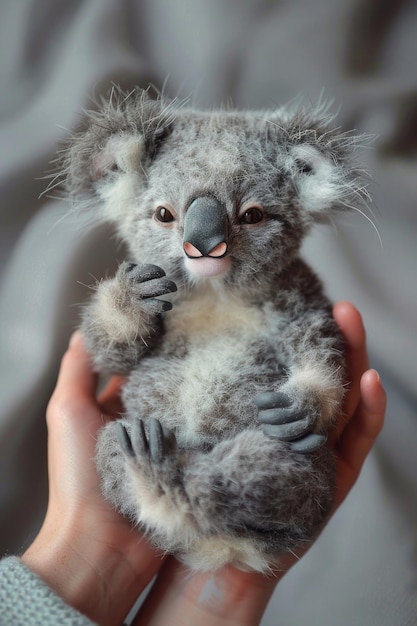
[(220, 455)]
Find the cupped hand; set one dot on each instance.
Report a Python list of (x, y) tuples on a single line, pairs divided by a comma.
[(99, 564)]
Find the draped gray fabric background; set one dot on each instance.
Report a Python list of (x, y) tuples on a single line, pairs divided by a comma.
[(258, 53)]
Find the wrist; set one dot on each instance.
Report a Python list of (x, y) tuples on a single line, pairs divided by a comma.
[(94, 572)]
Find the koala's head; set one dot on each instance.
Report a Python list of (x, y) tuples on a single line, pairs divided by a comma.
[(225, 196)]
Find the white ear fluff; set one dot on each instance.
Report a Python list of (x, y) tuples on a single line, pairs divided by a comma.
[(116, 170), (320, 189), (122, 152)]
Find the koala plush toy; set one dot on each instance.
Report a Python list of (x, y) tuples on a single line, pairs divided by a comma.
[(234, 366)]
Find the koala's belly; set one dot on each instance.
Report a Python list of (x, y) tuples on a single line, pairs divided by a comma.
[(199, 393), (216, 356), (205, 391)]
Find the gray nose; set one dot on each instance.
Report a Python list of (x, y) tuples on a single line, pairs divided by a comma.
[(206, 228)]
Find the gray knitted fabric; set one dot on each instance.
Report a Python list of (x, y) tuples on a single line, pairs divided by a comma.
[(25, 600)]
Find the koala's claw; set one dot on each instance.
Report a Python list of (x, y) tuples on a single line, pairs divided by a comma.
[(276, 408), (310, 443), (152, 280), (124, 440), (280, 419), (148, 282), (272, 400), (288, 431), (142, 273), (159, 442)]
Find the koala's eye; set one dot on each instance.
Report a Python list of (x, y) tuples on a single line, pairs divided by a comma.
[(253, 215), (303, 167), (162, 214)]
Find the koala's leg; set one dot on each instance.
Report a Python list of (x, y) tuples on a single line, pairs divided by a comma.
[(124, 318), (142, 477), (249, 487), (262, 498), (258, 485)]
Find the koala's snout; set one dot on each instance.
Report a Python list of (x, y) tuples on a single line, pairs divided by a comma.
[(206, 228)]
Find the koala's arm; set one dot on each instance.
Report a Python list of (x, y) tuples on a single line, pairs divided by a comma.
[(123, 320), (310, 398), (318, 364)]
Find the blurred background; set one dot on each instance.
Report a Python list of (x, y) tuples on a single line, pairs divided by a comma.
[(360, 54)]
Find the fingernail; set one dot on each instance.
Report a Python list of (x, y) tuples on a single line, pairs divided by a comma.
[(75, 338), (376, 375)]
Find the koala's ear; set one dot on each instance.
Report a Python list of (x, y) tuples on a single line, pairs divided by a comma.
[(322, 161), (122, 135), (323, 183), (123, 152)]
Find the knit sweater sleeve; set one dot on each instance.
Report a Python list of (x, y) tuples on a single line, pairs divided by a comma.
[(25, 600)]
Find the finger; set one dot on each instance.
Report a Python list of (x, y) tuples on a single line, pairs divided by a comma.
[(76, 374), (363, 429), (350, 323), (109, 399), (361, 433), (74, 397)]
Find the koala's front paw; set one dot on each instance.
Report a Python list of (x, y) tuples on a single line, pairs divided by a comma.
[(283, 418), (141, 285), (154, 447)]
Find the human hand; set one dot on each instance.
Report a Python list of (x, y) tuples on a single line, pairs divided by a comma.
[(99, 565), (85, 551)]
